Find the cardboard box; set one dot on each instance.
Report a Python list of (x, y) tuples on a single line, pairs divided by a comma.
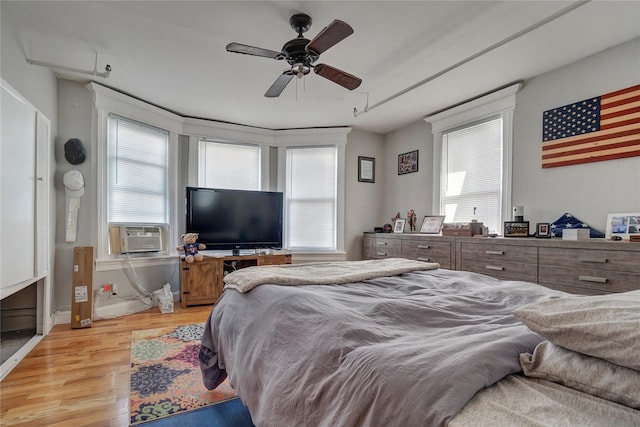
[(576, 234), (82, 291)]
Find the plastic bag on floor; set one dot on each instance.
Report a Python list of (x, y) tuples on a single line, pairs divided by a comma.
[(164, 298)]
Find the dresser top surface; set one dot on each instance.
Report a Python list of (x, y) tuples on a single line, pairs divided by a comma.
[(601, 244)]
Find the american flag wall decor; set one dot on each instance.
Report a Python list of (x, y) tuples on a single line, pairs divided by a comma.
[(600, 128)]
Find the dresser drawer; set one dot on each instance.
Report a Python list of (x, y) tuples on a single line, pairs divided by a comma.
[(591, 259), (588, 280), (502, 269), (386, 248), (367, 246), (499, 252), (428, 251)]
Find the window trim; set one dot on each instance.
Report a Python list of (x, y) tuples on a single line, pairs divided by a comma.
[(500, 103), (107, 101), (336, 137)]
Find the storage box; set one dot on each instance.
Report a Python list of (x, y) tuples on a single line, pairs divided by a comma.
[(576, 234), (82, 291), (461, 228)]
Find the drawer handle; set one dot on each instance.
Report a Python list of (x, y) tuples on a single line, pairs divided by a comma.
[(423, 246), (598, 260), (494, 267), (381, 243), (424, 259), (593, 279), (381, 254), (494, 252)]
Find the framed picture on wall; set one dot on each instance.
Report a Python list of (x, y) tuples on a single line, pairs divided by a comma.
[(408, 162), (366, 169)]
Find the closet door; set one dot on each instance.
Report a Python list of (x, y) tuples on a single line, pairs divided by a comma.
[(42, 212), (17, 189)]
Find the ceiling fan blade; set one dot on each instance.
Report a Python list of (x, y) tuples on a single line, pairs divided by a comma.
[(329, 36), (337, 76), (252, 50), (278, 86)]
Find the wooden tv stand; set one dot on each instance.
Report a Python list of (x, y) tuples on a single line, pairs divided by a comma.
[(202, 282)]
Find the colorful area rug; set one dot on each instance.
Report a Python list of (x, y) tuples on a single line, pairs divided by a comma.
[(165, 374)]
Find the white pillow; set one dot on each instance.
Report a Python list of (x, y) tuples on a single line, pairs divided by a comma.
[(604, 326), (588, 374)]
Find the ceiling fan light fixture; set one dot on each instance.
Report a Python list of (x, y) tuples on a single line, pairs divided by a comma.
[(300, 69)]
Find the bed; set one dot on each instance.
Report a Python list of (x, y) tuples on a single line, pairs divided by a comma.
[(398, 342)]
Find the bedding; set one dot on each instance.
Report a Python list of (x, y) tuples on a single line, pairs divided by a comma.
[(319, 273), (532, 402), (404, 350), (589, 374), (604, 326)]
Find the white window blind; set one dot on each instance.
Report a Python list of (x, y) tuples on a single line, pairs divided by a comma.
[(471, 174), (137, 172), (225, 165), (310, 198)]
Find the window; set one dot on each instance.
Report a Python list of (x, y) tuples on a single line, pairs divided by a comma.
[(311, 198), (137, 172), (472, 145), (471, 174), (227, 165)]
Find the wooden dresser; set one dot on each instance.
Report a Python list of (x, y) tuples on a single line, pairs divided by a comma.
[(202, 282), (585, 267), (421, 247)]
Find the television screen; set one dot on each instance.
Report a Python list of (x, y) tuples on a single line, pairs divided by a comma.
[(235, 219)]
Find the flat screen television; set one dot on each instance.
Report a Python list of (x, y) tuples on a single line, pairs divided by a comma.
[(235, 219)]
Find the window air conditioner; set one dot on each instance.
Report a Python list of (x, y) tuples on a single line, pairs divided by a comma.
[(140, 239)]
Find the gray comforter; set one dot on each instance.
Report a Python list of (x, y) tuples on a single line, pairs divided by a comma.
[(408, 350)]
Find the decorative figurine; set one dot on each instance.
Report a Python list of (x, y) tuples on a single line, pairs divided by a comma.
[(411, 219)]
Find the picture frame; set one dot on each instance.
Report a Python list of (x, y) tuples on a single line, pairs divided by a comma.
[(516, 229), (432, 224), (398, 225), (621, 226), (366, 169), (543, 230), (408, 162)]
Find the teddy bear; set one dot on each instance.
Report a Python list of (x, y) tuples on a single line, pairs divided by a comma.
[(191, 248)]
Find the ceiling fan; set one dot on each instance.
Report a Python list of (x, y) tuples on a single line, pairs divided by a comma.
[(301, 54)]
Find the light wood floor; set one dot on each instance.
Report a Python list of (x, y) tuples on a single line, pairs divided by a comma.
[(80, 377)]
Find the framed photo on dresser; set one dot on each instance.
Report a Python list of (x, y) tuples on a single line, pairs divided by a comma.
[(432, 224)]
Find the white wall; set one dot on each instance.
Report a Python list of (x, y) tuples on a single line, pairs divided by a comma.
[(413, 190), (588, 191), (363, 200), (75, 105), (36, 84)]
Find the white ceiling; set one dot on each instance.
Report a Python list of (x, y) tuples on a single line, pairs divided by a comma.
[(172, 53)]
